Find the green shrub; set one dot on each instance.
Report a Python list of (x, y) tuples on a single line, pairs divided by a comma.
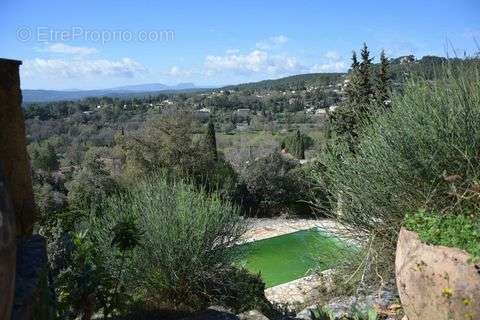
[(422, 153), (459, 231), (276, 184), (183, 260), (291, 143)]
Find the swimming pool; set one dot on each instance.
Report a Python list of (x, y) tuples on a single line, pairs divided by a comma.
[(291, 256)]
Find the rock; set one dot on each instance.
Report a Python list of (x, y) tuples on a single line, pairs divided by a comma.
[(436, 282), (362, 302), (307, 313), (252, 315)]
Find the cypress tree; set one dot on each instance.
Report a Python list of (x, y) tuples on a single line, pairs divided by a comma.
[(302, 146), (351, 89), (382, 90), (298, 148), (355, 63), (211, 140), (344, 120), (365, 76)]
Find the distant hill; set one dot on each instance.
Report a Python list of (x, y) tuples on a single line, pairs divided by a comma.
[(155, 87), (428, 67), (139, 90), (297, 81)]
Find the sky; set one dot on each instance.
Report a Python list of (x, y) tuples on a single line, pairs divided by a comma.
[(92, 44)]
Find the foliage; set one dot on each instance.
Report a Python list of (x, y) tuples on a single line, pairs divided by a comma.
[(297, 144), (241, 291), (84, 284), (459, 231), (183, 261), (292, 82), (211, 141), (90, 185), (44, 157), (423, 152), (364, 70), (366, 96), (274, 184), (383, 82), (326, 314)]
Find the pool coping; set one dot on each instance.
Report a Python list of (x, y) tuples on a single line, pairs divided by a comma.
[(264, 228), (300, 292)]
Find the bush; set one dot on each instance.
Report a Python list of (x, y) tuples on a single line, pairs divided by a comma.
[(423, 153), (459, 231), (275, 183), (183, 261), (291, 141)]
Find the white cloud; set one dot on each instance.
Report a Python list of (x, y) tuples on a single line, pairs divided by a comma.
[(280, 39), (271, 42), (76, 68), (332, 56), (332, 62), (177, 72), (339, 66), (255, 62), (67, 49)]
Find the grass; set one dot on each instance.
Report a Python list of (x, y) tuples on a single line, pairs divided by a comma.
[(292, 256)]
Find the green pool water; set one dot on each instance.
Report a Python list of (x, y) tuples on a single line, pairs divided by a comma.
[(288, 257)]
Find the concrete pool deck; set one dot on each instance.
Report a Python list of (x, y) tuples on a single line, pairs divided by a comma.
[(264, 228)]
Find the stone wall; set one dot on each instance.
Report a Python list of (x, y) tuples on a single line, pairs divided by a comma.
[(7, 250), (13, 153), (24, 287)]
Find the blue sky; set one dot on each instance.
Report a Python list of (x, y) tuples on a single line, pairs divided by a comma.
[(99, 44)]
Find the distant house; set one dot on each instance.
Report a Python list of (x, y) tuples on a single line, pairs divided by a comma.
[(202, 114)]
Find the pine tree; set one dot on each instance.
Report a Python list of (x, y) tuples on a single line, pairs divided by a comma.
[(382, 90), (355, 63), (351, 89), (211, 140), (365, 76)]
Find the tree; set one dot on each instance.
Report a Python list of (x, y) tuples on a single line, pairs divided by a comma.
[(211, 141), (365, 77), (291, 141), (90, 185), (298, 147), (44, 157), (382, 89), (273, 183), (355, 63), (344, 121), (352, 88)]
